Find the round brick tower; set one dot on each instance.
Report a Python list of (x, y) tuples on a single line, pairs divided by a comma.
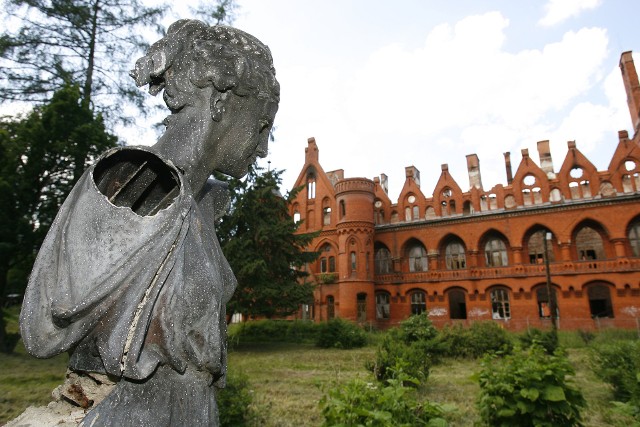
[(354, 199)]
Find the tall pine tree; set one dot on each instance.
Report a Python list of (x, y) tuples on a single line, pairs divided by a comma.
[(90, 43), (259, 239)]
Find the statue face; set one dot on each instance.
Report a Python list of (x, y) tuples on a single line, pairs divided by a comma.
[(247, 121)]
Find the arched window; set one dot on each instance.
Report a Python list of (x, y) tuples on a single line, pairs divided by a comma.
[(418, 302), (457, 304), (343, 209), (535, 246), (495, 252), (382, 260), (500, 307), (455, 256), (354, 263), (311, 186), (634, 239), (323, 265), (417, 257), (544, 304), (589, 244), (467, 208), (326, 216), (296, 217), (327, 260), (429, 213), (600, 300), (361, 304), (416, 213), (407, 214), (383, 306), (331, 307)]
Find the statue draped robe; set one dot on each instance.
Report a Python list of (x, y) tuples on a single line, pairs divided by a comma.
[(136, 288)]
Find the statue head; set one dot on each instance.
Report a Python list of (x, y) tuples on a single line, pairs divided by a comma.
[(233, 69)]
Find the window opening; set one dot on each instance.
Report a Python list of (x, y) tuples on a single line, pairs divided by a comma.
[(500, 307), (382, 306), (455, 256), (418, 302), (457, 304), (496, 253)]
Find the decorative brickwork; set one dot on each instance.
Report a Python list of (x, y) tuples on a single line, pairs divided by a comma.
[(479, 254)]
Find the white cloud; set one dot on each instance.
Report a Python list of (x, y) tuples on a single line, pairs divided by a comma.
[(459, 92), (558, 11)]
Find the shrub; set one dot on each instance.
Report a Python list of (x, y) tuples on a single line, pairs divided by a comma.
[(395, 352), (618, 363), (586, 336), (408, 347), (473, 341), (361, 403), (273, 331), (547, 340), (234, 400), (339, 333), (529, 388), (418, 328)]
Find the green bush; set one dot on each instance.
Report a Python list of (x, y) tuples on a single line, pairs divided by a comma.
[(547, 340), (339, 333), (273, 331), (234, 400), (618, 363), (408, 347), (395, 352), (361, 403), (473, 341), (529, 388), (418, 328)]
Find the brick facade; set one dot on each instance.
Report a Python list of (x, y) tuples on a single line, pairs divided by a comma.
[(477, 254)]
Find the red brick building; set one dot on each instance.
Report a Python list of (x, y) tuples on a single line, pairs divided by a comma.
[(476, 254)]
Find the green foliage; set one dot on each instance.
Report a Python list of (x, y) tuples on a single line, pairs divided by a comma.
[(258, 238), (618, 363), (361, 403), (234, 401), (41, 157), (297, 331), (394, 352), (339, 333), (326, 278), (221, 12), (418, 328), (408, 347), (548, 340), (586, 336), (529, 388), (473, 341), (88, 43)]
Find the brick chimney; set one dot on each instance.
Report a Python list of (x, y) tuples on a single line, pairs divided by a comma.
[(546, 164), (473, 168), (414, 173), (507, 165), (632, 87), (311, 152)]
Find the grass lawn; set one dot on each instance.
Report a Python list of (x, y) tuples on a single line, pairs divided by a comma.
[(25, 380), (288, 380)]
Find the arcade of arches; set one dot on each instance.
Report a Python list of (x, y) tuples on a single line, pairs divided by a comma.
[(464, 256)]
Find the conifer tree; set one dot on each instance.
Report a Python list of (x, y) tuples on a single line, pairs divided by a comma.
[(90, 43), (268, 257)]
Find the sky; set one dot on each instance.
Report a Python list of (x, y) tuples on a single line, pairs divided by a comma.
[(382, 85)]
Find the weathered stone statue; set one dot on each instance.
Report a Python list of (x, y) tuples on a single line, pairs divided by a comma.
[(131, 280)]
